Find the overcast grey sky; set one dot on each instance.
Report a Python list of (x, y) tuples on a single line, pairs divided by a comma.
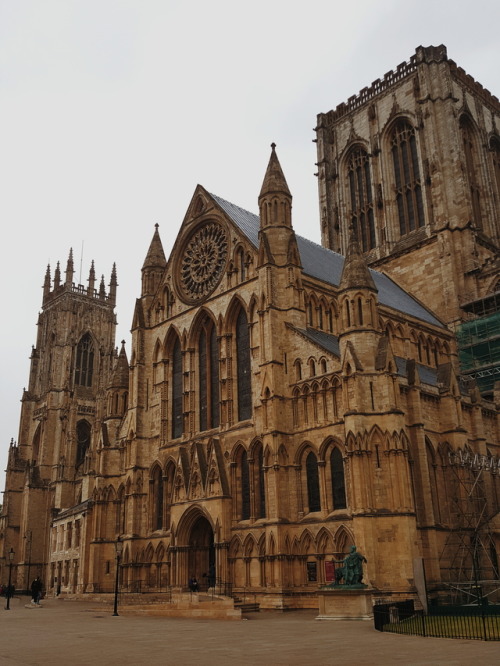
[(111, 112)]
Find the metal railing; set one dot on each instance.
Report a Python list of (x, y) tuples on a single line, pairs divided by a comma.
[(465, 622)]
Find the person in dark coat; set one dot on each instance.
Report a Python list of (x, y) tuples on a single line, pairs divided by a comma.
[(36, 590)]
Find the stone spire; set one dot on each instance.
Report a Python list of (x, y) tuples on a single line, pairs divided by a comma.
[(113, 284), (70, 270), (120, 373), (274, 180), (155, 257), (154, 265), (355, 272), (46, 283), (91, 282)]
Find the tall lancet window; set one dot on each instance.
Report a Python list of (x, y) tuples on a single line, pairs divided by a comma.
[(209, 377), (83, 432), (407, 178), (84, 368), (312, 475), (471, 166), (360, 189), (176, 389), (338, 480), (243, 367)]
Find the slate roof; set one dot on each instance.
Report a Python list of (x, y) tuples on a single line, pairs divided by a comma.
[(328, 341), (427, 375), (326, 265)]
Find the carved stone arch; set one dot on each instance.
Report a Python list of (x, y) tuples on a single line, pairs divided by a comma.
[(351, 443), (287, 546), (235, 546), (377, 436), (324, 541), (201, 318), (311, 364), (297, 367), (328, 445), (238, 447), (253, 307), (295, 546), (148, 553), (236, 304), (249, 545), (355, 143), (307, 542), (343, 539), (159, 554), (303, 449), (444, 449), (283, 456), (111, 496)]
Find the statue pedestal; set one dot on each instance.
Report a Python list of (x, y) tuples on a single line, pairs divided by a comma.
[(345, 603)]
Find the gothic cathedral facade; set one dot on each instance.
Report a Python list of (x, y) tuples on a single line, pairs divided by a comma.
[(282, 401)]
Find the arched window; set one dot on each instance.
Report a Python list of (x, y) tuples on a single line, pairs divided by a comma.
[(338, 480), (495, 159), (360, 189), (260, 490), (472, 167), (208, 377), (157, 499), (407, 178), (243, 367), (240, 260), (176, 389), (83, 431), (312, 476), (84, 367), (245, 486)]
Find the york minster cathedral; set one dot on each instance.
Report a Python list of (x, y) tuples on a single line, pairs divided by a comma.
[(281, 401)]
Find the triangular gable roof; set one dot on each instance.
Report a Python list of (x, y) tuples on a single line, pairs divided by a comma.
[(326, 265)]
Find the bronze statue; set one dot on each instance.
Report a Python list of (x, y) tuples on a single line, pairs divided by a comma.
[(352, 570)]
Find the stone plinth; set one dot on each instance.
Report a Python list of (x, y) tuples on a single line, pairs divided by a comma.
[(342, 603)]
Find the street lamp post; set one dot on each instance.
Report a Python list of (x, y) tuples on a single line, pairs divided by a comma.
[(9, 586), (119, 550)]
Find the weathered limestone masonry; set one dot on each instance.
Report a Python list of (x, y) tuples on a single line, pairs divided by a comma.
[(436, 227), (280, 402)]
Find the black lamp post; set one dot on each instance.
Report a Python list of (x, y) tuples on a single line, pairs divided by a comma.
[(119, 550), (9, 586)]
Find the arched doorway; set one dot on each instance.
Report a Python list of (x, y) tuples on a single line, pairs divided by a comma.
[(201, 553)]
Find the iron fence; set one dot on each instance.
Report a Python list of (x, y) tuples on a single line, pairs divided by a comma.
[(465, 622)]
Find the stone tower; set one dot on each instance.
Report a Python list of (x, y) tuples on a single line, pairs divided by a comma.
[(413, 163), (52, 466)]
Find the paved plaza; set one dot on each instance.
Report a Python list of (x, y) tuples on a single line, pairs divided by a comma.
[(78, 633)]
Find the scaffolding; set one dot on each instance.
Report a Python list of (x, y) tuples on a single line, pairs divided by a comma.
[(469, 562), (479, 351)]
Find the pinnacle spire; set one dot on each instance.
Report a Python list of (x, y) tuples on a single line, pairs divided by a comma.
[(355, 273), (274, 180), (70, 270), (155, 257)]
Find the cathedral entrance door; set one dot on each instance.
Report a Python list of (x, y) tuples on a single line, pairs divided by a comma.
[(201, 554)]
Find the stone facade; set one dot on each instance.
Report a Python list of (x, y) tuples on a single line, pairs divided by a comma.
[(279, 405)]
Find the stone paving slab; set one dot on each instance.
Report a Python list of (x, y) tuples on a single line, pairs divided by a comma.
[(79, 633)]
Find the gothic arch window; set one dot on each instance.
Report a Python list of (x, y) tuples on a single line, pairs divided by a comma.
[(208, 359), (361, 197), (471, 166), (84, 368), (176, 389), (298, 370), (259, 482), (312, 479), (83, 431), (240, 263), (338, 480), (244, 486), (495, 160), (407, 177), (157, 494), (243, 367)]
